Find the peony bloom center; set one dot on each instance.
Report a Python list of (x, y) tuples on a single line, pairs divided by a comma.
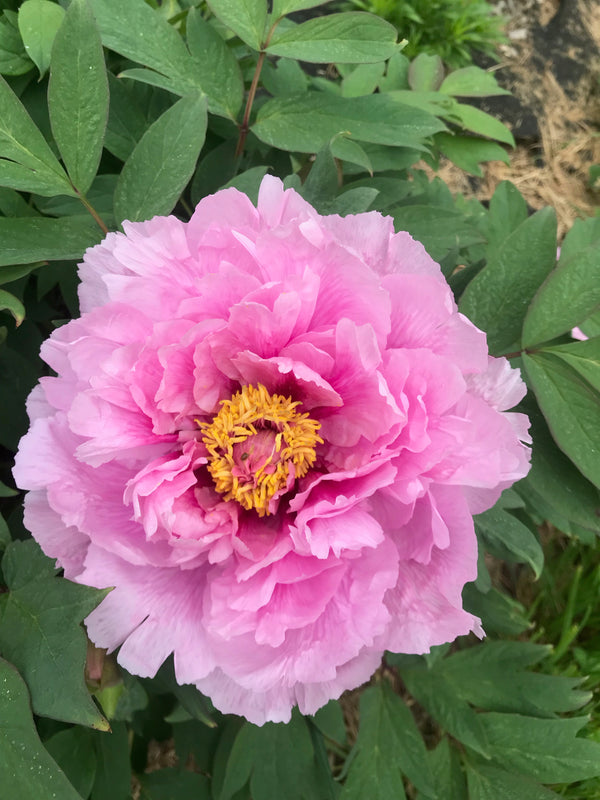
[(258, 445)]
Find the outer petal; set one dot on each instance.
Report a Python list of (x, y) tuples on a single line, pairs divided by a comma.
[(312, 661), (426, 604), (153, 612), (150, 268), (499, 385), (68, 545)]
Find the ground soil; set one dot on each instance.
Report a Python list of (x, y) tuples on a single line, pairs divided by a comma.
[(551, 64)]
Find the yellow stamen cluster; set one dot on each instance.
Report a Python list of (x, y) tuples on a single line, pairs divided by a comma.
[(251, 418)]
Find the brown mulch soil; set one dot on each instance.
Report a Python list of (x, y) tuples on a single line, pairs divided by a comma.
[(552, 67)]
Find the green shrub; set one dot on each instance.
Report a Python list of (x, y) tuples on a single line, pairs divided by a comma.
[(451, 29)]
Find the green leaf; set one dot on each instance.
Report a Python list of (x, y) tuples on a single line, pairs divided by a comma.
[(476, 120), (448, 776), (487, 782), (126, 120), (467, 152), (436, 694), (13, 58), (246, 18), (12, 204), (348, 150), (438, 228), (136, 31), (25, 766), (289, 771), (133, 698), (40, 633), (8, 302), (546, 750), (168, 784), (113, 770), (498, 612), (354, 201), (497, 298), (508, 210), (569, 295), (78, 94), (471, 82), (362, 80), (153, 78), (33, 239), (195, 739), (74, 752), (583, 357), (396, 77), (566, 496), (570, 407), (283, 7), (425, 73), (216, 67), (493, 676), (347, 38), (305, 123), (220, 762), (26, 179), (591, 326), (100, 195), (329, 719), (584, 234), (389, 745), (39, 20), (433, 102), (26, 161), (510, 499), (216, 167), (5, 537), (6, 491), (385, 159), (284, 78), (322, 181), (248, 182), (483, 581), (163, 161), (504, 534), (18, 376), (197, 706)]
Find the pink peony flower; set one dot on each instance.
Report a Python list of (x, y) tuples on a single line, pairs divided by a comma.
[(269, 431)]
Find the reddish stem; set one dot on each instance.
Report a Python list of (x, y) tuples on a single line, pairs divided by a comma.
[(245, 126), (92, 211)]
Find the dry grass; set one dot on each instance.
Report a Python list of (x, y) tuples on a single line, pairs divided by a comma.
[(161, 755), (555, 170)]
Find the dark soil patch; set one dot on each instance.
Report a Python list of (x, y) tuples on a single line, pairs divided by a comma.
[(552, 67)]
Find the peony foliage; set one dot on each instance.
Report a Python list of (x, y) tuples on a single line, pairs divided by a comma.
[(298, 415)]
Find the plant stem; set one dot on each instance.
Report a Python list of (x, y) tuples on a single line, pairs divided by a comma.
[(92, 211), (188, 209), (244, 127), (251, 94), (525, 351)]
